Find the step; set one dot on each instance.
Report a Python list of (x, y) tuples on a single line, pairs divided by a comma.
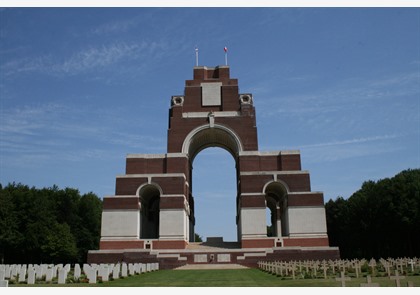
[(211, 266), (209, 246)]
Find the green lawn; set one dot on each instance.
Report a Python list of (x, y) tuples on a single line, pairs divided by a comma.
[(229, 278)]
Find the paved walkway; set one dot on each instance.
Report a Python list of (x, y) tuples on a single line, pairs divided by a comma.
[(211, 266)]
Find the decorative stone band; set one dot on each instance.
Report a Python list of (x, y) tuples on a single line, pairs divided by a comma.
[(268, 153), (206, 114)]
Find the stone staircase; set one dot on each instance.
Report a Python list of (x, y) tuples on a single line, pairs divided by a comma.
[(209, 246), (211, 266), (214, 254)]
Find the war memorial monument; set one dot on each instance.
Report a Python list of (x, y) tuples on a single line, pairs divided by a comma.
[(151, 218)]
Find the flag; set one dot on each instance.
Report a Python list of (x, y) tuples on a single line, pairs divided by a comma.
[(225, 49)]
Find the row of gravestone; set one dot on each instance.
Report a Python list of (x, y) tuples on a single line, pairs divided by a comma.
[(30, 274), (403, 265), (293, 268)]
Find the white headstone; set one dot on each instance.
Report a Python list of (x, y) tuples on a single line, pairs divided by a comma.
[(86, 267), (49, 274), (131, 269), (22, 274), (2, 274), (143, 268), (77, 271), (31, 276), (62, 275), (43, 272), (8, 271), (124, 270), (104, 272), (4, 283), (38, 271), (91, 275), (116, 272), (14, 271), (137, 267)]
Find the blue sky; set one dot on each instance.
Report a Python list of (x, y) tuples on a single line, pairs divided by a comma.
[(82, 87)]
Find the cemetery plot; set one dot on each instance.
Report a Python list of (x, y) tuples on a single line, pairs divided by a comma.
[(342, 271), (66, 274)]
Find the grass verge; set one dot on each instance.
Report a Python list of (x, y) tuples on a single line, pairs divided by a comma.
[(229, 278)]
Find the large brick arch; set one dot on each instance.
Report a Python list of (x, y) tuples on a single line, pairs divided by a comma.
[(206, 136)]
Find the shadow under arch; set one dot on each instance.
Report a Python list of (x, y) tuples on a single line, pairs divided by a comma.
[(276, 201), (149, 195)]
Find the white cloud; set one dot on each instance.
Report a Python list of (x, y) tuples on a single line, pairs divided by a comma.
[(85, 60), (351, 148), (352, 141)]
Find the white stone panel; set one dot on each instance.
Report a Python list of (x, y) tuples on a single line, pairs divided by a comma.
[(307, 220), (200, 258), (223, 257), (211, 94), (172, 224), (120, 223), (253, 222)]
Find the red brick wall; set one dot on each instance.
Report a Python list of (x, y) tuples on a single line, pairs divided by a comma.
[(172, 203), (253, 201), (306, 200), (143, 165), (169, 244), (114, 245), (290, 162), (258, 243), (308, 242), (171, 184), (296, 182), (120, 203), (128, 186)]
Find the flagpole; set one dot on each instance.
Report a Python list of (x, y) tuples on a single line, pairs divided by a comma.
[(196, 56), (225, 49)]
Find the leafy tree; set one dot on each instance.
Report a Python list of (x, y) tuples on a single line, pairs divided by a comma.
[(59, 245), (382, 219), (47, 225), (197, 238), (10, 236)]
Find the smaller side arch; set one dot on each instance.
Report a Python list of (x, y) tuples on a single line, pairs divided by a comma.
[(149, 195), (276, 202)]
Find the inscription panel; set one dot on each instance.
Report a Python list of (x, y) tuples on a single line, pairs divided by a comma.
[(200, 258), (211, 94)]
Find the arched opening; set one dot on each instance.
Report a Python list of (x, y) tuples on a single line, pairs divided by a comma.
[(276, 202), (149, 199), (211, 180), (214, 191)]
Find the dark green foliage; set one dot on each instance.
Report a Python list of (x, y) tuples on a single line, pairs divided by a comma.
[(48, 225), (197, 238), (382, 219)]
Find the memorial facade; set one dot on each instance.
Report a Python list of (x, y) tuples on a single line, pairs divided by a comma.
[(153, 206)]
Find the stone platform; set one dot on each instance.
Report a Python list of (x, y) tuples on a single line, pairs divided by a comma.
[(212, 255)]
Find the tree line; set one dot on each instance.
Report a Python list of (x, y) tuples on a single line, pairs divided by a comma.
[(381, 219), (48, 225)]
